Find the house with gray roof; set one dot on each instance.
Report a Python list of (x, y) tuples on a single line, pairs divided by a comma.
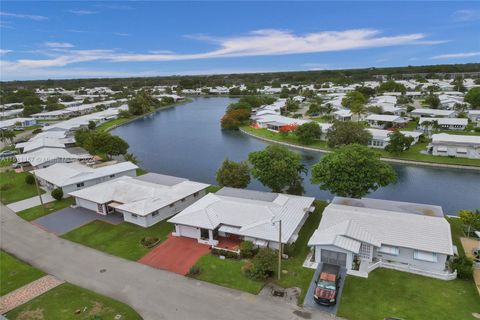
[(364, 234)]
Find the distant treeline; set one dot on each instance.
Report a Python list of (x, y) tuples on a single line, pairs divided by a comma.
[(257, 79)]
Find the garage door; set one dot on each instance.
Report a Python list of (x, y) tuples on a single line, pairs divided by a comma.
[(333, 257)]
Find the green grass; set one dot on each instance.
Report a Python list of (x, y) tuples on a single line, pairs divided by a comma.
[(322, 119), (456, 226), (111, 123), (226, 273), (141, 172), (297, 275), (122, 240), (37, 212), (6, 162), (413, 154), (13, 187), (15, 273), (62, 302), (213, 188), (390, 293)]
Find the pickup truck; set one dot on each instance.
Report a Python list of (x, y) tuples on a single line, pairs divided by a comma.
[(327, 284)]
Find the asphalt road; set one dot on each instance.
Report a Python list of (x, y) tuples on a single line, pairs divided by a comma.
[(153, 293)]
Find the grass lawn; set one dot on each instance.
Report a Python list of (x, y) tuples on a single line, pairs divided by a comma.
[(213, 188), (226, 273), (13, 187), (121, 240), (297, 275), (141, 172), (457, 232), (37, 212), (413, 154), (61, 303), (111, 123), (390, 293), (6, 162), (15, 273)]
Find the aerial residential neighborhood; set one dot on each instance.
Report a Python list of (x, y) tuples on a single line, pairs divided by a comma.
[(239, 160)]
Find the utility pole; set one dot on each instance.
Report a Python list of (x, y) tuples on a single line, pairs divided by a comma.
[(279, 249), (38, 192)]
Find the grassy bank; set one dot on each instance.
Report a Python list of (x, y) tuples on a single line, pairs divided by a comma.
[(413, 154)]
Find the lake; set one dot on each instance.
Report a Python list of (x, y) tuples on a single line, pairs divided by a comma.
[(187, 141)]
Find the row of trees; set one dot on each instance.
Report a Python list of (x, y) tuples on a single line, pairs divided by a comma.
[(238, 113), (350, 171), (101, 142)]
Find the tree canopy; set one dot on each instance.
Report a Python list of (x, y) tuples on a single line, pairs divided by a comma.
[(142, 103), (353, 98), (308, 132), (473, 97), (347, 132), (233, 174), (276, 167), (398, 142), (352, 171)]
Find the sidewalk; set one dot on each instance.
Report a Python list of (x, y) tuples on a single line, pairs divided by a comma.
[(30, 202), (28, 292)]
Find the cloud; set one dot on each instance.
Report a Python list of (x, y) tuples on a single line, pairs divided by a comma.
[(82, 12), (23, 16), (122, 34), (457, 55), (267, 42), (58, 45), (4, 51), (466, 15)]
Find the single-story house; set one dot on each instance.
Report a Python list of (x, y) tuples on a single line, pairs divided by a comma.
[(432, 113), (53, 115), (444, 123), (10, 124), (275, 122), (246, 214), (453, 145), (343, 115), (36, 144), (44, 157), (474, 115), (383, 121), (364, 234), (144, 200), (5, 114), (75, 176), (381, 138)]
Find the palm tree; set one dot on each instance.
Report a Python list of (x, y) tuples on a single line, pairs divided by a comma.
[(358, 109), (7, 135)]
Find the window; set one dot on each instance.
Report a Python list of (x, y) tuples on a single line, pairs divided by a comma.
[(425, 256), (81, 184), (388, 250), (365, 250), (134, 216), (154, 214)]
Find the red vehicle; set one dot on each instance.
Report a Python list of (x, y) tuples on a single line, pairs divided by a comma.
[(327, 285)]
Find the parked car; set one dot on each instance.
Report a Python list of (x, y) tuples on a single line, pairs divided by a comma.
[(7, 154), (327, 285)]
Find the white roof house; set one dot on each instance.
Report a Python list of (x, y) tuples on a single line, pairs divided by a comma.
[(381, 138), (249, 214), (39, 143), (454, 145), (383, 120), (143, 200), (425, 112), (20, 122), (274, 122), (446, 123), (45, 157), (379, 233), (474, 115), (73, 176)]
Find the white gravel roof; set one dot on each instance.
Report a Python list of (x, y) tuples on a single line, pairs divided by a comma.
[(252, 216), (44, 155), (346, 226)]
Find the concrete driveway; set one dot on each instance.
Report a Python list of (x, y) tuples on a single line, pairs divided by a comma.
[(68, 219), (30, 202), (310, 304), (154, 293)]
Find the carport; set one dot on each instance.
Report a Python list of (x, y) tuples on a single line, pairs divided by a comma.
[(309, 303)]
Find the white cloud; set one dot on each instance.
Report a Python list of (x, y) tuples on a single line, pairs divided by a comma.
[(23, 16), (257, 43), (122, 34), (457, 55), (58, 45), (4, 51), (82, 12), (466, 15)]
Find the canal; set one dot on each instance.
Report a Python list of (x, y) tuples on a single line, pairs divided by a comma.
[(187, 141)]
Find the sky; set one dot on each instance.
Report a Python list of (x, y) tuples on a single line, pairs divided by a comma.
[(82, 39)]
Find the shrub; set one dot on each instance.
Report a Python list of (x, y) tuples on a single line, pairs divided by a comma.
[(29, 179), (57, 193), (247, 267), (225, 253), (247, 249), (149, 242), (463, 265), (194, 270), (36, 131), (263, 265), (477, 129)]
